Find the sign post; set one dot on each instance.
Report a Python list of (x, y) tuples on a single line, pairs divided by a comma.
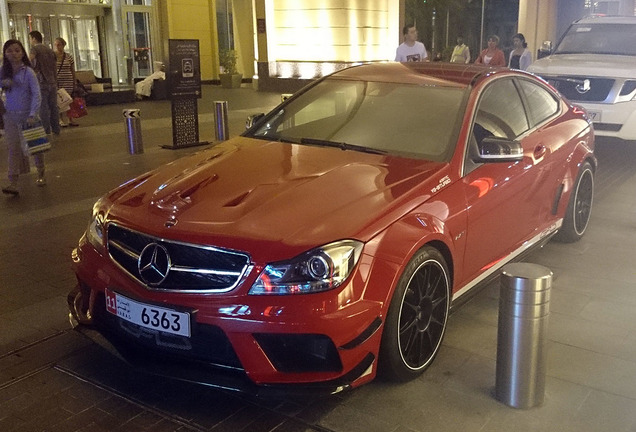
[(184, 88)]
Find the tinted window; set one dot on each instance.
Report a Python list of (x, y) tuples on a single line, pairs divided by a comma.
[(541, 103), (412, 120), (500, 112)]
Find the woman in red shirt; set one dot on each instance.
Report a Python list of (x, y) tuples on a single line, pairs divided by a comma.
[(492, 56)]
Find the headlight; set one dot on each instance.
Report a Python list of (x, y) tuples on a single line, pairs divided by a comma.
[(95, 231), (320, 269)]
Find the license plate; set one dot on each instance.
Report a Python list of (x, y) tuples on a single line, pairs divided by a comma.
[(595, 116), (148, 316)]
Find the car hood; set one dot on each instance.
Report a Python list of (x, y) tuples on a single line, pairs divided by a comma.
[(255, 195), (585, 65)]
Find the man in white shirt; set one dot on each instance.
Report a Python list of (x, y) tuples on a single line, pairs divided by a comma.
[(410, 50)]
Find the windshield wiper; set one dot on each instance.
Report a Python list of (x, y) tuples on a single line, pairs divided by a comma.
[(341, 145)]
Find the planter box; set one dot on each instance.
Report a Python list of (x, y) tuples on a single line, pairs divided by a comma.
[(230, 80)]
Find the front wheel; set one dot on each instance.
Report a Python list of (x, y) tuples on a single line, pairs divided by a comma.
[(416, 320), (577, 215)]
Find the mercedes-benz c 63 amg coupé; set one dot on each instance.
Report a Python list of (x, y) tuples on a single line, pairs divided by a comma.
[(327, 243)]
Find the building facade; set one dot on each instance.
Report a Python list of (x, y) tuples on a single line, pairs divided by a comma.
[(274, 39)]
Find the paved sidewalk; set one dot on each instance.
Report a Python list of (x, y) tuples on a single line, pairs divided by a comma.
[(53, 379)]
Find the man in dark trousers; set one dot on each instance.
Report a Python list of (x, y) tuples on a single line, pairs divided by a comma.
[(44, 63)]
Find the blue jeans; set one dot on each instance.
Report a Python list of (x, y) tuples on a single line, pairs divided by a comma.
[(49, 112)]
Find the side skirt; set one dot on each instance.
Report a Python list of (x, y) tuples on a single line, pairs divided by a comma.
[(467, 291)]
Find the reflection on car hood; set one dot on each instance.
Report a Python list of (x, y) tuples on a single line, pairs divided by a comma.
[(585, 65), (254, 194)]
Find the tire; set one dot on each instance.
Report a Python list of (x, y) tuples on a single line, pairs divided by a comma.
[(416, 321), (577, 215)]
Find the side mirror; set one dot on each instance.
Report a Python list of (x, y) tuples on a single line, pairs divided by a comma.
[(545, 50), (494, 149), (253, 119)]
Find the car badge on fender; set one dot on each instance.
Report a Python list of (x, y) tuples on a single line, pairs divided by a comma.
[(154, 264)]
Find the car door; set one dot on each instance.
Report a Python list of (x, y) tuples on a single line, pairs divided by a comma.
[(549, 143), (502, 207)]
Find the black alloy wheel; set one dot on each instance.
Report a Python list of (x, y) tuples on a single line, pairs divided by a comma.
[(417, 316), (577, 215)]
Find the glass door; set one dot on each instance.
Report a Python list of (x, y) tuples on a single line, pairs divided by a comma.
[(139, 28), (86, 45)]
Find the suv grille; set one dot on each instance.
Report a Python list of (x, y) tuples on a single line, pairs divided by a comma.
[(174, 266), (573, 88)]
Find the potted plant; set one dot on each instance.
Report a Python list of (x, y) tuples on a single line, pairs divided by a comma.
[(229, 76)]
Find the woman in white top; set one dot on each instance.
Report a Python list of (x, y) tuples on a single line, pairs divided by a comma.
[(520, 56)]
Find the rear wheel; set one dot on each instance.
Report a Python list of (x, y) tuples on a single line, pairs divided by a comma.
[(416, 320), (577, 215)]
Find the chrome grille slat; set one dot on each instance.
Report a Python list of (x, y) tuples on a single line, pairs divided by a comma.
[(193, 268)]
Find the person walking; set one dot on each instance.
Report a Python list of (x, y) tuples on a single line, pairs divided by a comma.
[(461, 52), (20, 85), (492, 56), (411, 50), (520, 56), (65, 65), (44, 63)]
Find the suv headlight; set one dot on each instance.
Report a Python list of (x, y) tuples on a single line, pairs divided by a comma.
[(95, 230), (320, 269)]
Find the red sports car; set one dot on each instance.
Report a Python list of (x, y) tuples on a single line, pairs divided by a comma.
[(329, 241)]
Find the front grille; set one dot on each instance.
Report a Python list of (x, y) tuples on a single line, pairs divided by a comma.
[(609, 127), (181, 267), (575, 89)]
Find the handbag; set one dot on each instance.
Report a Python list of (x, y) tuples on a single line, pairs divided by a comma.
[(64, 100), (35, 139), (77, 108)]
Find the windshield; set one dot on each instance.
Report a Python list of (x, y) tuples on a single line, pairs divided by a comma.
[(616, 39), (409, 120)]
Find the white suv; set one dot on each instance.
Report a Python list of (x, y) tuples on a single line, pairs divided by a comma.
[(594, 66)]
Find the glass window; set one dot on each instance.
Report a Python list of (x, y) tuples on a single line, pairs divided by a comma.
[(541, 103), (615, 39), (411, 120), (500, 112), (225, 24)]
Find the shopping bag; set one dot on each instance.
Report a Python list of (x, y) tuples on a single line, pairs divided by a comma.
[(77, 108), (35, 139), (63, 100)]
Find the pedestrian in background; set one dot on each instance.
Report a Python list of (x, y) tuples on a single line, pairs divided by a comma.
[(65, 65), (44, 63), (520, 56), (20, 85), (461, 52), (411, 50), (492, 56)]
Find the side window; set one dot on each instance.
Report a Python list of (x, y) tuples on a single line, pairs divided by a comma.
[(541, 103), (500, 112)]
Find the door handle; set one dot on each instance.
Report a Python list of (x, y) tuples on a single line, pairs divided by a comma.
[(539, 151)]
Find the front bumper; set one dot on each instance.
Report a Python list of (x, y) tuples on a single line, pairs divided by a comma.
[(255, 344), (613, 120)]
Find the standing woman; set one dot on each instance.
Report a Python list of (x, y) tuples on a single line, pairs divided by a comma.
[(23, 99), (65, 75), (520, 56), (492, 56)]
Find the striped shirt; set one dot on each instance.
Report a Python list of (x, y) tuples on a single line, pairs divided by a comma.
[(65, 68)]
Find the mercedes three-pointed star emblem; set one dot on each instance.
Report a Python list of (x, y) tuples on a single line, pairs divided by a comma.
[(154, 264)]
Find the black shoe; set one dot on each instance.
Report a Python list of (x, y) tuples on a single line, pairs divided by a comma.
[(10, 190)]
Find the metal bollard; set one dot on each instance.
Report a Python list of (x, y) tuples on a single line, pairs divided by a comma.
[(132, 121), (524, 308), (221, 127)]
